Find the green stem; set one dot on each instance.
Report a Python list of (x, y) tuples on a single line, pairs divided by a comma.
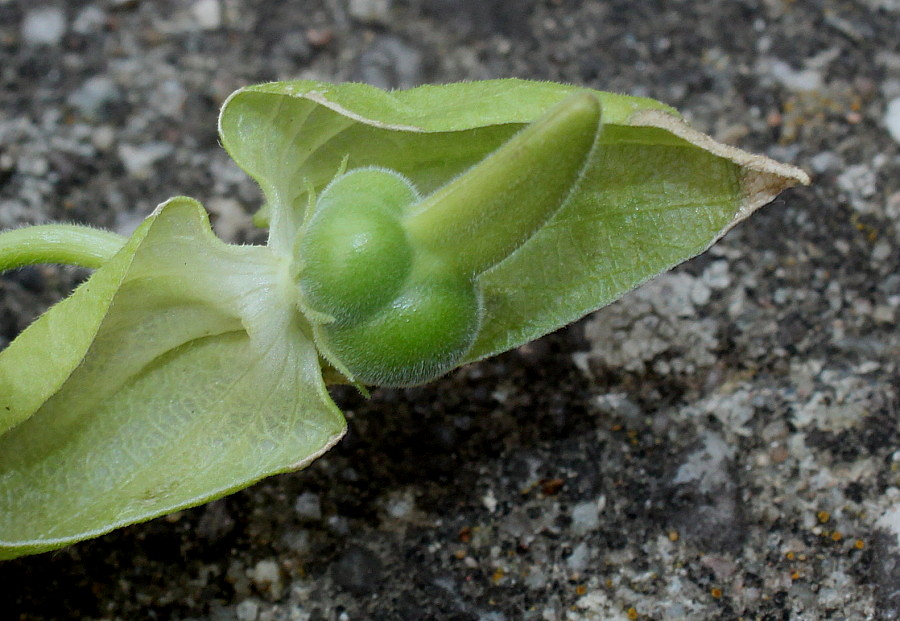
[(479, 218), (58, 243)]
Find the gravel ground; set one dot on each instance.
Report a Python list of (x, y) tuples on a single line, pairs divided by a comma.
[(723, 443)]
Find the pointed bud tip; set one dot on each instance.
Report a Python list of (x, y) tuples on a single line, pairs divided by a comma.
[(581, 108)]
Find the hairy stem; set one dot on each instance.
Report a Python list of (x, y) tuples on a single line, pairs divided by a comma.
[(479, 218), (58, 243)]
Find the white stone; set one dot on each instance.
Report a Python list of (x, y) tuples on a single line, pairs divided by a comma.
[(139, 160), (826, 161), (44, 26), (794, 80), (890, 521), (90, 19), (707, 465), (489, 501), (536, 578), (169, 98), (207, 13), (103, 137), (308, 506), (716, 275), (400, 506), (93, 94), (247, 610), (578, 560), (892, 118), (266, 575), (858, 179), (585, 517), (370, 11)]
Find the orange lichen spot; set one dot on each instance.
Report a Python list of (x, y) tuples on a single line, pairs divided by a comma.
[(836, 536), (716, 592), (796, 575), (498, 575), (465, 535), (460, 554), (859, 544), (790, 556), (551, 487), (580, 590), (616, 428), (823, 517), (673, 535), (632, 613)]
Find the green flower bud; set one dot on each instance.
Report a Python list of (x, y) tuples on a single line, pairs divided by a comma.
[(354, 253), (398, 275), (420, 335)]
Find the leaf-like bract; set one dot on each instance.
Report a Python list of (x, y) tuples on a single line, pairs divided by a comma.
[(199, 380)]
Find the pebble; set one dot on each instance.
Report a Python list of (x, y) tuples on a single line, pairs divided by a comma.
[(716, 276), (91, 19), (308, 507), (370, 11), (793, 79), (207, 14), (536, 578), (266, 577), (892, 118), (585, 517), (169, 98), (400, 506), (103, 137), (881, 252), (826, 161), (678, 293), (247, 610), (93, 97), (578, 560), (139, 160), (706, 467), (859, 182), (526, 526), (889, 521), (44, 26)]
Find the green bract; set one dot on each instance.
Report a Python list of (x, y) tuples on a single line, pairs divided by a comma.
[(409, 233)]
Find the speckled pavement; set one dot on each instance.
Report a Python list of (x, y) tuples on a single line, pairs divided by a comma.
[(721, 444)]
